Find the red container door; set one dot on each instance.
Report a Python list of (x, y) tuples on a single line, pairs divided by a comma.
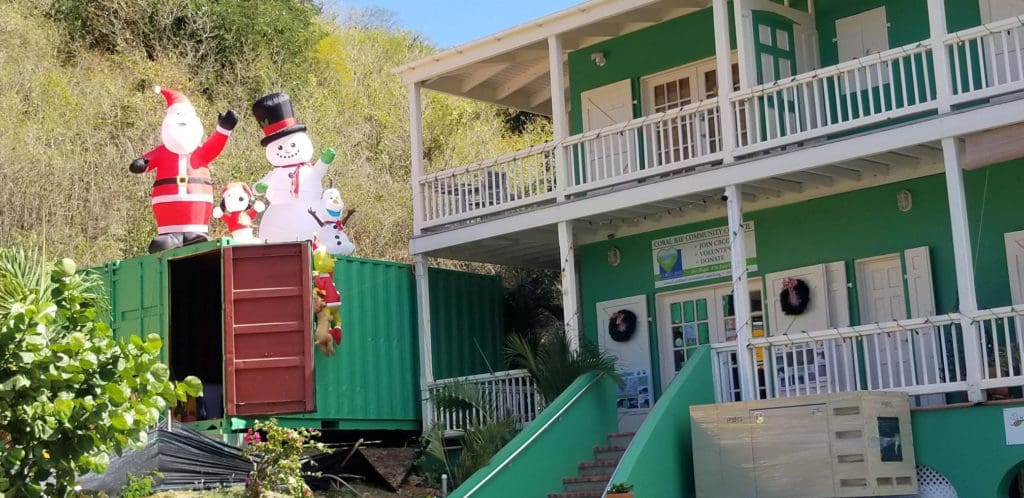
[(268, 345)]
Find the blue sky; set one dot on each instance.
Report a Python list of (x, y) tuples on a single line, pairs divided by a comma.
[(453, 22)]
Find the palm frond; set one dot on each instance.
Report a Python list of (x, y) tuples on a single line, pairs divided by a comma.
[(554, 365)]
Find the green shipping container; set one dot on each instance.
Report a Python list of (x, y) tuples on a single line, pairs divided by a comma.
[(189, 296)]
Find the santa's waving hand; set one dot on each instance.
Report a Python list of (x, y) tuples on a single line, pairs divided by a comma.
[(183, 191)]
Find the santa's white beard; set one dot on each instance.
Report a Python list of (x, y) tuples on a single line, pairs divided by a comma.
[(181, 139)]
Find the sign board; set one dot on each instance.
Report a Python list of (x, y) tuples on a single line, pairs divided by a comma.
[(697, 256), (1013, 423)]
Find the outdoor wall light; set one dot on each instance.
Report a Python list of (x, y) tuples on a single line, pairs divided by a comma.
[(904, 201), (598, 58)]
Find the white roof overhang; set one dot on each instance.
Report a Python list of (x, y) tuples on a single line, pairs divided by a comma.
[(511, 68)]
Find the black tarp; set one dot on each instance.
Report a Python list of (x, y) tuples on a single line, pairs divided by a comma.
[(185, 458)]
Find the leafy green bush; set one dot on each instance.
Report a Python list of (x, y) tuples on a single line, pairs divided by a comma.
[(139, 487), (620, 488), (276, 455), (69, 393)]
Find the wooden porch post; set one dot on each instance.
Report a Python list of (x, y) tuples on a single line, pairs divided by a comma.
[(426, 354), (570, 287), (559, 117), (952, 152), (940, 56), (740, 290), (416, 147), (744, 46), (722, 57)]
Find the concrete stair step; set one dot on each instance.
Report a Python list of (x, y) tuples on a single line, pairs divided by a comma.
[(609, 452), (576, 495), (620, 438), (598, 467), (586, 484)]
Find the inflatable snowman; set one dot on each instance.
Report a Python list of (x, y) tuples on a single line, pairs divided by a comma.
[(294, 185), (331, 235)]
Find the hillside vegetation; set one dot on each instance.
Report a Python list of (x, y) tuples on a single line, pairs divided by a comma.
[(76, 106)]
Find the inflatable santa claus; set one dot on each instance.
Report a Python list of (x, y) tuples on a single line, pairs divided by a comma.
[(182, 195)]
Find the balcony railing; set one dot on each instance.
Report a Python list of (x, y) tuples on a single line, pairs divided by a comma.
[(871, 91), (860, 92), (917, 356), (987, 60), (513, 180), (675, 139), (510, 394)]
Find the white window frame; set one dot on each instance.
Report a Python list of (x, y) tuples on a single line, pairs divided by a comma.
[(695, 70)]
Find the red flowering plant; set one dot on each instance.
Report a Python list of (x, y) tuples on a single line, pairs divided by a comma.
[(275, 453)]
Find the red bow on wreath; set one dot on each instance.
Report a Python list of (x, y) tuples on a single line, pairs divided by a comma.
[(794, 297), (619, 323)]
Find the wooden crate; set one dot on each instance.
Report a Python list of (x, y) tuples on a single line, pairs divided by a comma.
[(829, 445)]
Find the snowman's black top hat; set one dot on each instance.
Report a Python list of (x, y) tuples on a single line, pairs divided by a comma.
[(274, 114)]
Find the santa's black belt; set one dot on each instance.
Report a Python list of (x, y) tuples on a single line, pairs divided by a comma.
[(181, 180)]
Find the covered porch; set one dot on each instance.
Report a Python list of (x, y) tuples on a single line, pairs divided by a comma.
[(752, 113)]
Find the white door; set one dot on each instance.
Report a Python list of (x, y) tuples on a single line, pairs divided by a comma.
[(927, 342), (633, 355), (1001, 59), (612, 155), (1015, 265), (691, 318), (1015, 268), (695, 135), (882, 299), (800, 368), (995, 10)]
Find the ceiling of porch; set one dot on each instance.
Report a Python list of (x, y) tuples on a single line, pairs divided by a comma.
[(538, 247), (511, 68)]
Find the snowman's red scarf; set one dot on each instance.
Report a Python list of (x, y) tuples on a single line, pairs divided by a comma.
[(295, 176)]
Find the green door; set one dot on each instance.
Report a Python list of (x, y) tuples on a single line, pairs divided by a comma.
[(775, 58)]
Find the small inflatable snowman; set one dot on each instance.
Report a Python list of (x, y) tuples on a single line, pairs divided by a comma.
[(331, 234), (294, 185), (238, 210)]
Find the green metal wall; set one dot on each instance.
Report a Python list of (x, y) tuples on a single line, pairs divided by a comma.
[(466, 323), (373, 380)]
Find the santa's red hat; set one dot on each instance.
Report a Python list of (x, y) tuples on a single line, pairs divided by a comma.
[(172, 96)]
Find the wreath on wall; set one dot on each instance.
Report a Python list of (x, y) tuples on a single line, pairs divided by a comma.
[(795, 296), (622, 325)]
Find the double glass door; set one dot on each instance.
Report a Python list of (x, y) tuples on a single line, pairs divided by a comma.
[(692, 318)]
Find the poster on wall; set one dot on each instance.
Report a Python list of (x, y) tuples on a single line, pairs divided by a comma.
[(697, 256), (635, 391), (1013, 422)]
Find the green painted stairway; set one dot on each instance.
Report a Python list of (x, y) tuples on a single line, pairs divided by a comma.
[(593, 475)]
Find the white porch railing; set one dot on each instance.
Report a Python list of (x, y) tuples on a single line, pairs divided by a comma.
[(505, 394), (676, 139), (513, 180), (871, 89), (874, 90), (917, 356), (987, 60)]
